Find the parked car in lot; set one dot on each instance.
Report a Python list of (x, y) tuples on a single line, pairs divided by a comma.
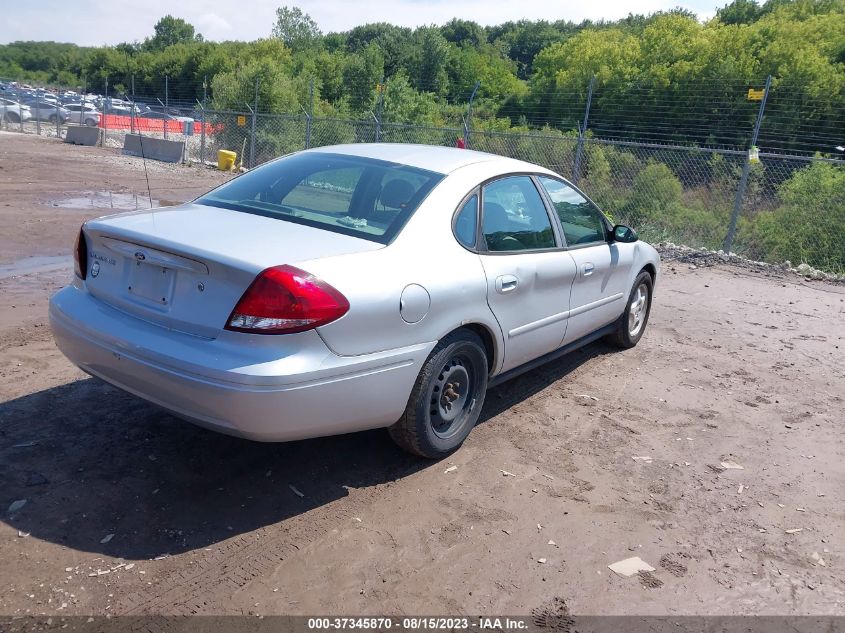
[(46, 111), (352, 287), (14, 112), (83, 114), (164, 116)]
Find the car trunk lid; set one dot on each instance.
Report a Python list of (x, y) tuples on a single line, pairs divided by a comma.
[(184, 268)]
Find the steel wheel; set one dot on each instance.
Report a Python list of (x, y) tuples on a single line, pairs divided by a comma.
[(446, 399), (637, 310), (451, 394)]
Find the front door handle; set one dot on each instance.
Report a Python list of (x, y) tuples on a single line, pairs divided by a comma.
[(588, 269), (506, 283)]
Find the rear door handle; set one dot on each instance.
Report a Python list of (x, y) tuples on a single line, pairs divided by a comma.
[(588, 269), (506, 283)]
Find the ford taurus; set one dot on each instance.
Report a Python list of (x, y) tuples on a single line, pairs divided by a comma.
[(352, 287)]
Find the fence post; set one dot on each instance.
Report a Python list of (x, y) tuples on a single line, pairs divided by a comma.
[(746, 169), (379, 109), (310, 114), (166, 102), (468, 117), (58, 124), (252, 132), (20, 107), (132, 106), (202, 133), (105, 124), (202, 119), (38, 112), (582, 131)]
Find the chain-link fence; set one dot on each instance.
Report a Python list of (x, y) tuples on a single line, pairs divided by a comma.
[(768, 206)]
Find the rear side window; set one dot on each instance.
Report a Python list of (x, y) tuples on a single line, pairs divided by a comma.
[(466, 224), (364, 197), (581, 221)]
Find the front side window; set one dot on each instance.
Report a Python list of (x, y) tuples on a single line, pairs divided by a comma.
[(363, 197), (582, 223), (514, 216)]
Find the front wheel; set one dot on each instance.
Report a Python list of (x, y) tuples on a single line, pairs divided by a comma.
[(53, 118), (446, 399), (90, 122), (631, 325)]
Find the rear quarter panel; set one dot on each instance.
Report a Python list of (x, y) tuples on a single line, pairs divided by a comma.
[(424, 253)]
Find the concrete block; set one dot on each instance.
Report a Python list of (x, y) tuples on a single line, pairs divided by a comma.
[(154, 148), (82, 135)]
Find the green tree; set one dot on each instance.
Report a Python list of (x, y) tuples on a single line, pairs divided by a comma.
[(463, 32), (656, 193), (395, 43), (362, 73), (169, 31), (739, 12), (809, 227), (295, 28), (427, 68)]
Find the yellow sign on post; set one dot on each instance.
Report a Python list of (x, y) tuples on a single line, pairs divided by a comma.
[(755, 95), (241, 120)]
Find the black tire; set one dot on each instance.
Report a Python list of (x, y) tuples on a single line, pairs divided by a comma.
[(90, 122), (446, 399), (11, 117), (52, 118), (632, 323)]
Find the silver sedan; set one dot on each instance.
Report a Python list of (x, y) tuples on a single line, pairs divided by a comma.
[(352, 287)]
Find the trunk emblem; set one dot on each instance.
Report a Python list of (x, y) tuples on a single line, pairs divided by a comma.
[(95, 269), (140, 256)]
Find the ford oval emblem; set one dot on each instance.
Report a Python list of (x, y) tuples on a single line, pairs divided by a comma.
[(140, 256)]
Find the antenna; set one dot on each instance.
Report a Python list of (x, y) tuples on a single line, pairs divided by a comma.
[(143, 157)]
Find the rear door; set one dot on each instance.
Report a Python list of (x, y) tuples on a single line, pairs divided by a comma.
[(529, 275), (599, 289)]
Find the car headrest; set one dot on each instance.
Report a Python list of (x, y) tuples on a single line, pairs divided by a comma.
[(397, 193), (496, 219)]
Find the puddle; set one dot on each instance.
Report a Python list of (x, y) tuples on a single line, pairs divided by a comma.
[(106, 200), (30, 265)]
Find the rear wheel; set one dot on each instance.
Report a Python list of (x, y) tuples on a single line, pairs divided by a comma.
[(11, 117), (446, 399), (631, 325), (90, 122)]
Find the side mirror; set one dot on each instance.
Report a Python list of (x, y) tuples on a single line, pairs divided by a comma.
[(622, 233)]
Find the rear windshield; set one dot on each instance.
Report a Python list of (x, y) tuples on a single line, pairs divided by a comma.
[(363, 197)]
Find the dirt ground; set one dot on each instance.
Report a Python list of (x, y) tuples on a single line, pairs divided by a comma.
[(596, 458)]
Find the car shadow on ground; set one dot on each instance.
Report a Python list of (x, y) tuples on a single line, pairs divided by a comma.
[(92, 461)]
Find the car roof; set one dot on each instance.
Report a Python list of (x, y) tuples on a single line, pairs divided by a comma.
[(443, 160)]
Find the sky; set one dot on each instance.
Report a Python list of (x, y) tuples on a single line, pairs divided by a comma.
[(98, 22)]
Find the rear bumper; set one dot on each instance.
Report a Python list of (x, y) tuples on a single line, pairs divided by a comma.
[(265, 388)]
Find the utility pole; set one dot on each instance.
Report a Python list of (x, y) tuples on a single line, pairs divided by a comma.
[(746, 169)]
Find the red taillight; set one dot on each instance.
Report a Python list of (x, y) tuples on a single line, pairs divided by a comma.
[(80, 256), (283, 300)]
